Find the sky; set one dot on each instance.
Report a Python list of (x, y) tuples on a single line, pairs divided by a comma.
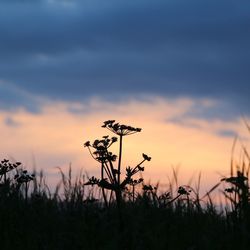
[(178, 69)]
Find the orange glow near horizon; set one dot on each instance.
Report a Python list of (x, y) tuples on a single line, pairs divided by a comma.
[(55, 137)]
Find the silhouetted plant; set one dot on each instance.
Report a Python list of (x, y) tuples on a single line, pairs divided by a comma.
[(238, 193), (7, 186), (5, 167), (73, 189), (111, 174), (23, 178), (133, 183), (163, 217)]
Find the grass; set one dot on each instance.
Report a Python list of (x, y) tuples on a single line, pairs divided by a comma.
[(79, 216), (77, 220)]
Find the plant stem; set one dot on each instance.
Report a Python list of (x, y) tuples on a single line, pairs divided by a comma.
[(103, 191), (26, 192), (118, 191), (119, 162), (133, 193)]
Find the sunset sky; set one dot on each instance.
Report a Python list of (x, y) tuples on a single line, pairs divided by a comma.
[(178, 69)]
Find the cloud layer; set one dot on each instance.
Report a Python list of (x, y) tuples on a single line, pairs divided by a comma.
[(74, 50)]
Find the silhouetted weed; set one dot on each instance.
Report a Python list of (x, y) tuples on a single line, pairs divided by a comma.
[(74, 215), (111, 174)]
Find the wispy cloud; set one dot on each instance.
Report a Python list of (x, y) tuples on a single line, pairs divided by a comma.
[(13, 97)]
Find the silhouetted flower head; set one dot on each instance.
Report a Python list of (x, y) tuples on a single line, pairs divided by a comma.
[(100, 152), (135, 182), (120, 129), (24, 177), (112, 157), (87, 144), (6, 166), (129, 171), (183, 190), (108, 123), (92, 181), (114, 139), (101, 183), (147, 188), (146, 158), (105, 142), (140, 168), (236, 180)]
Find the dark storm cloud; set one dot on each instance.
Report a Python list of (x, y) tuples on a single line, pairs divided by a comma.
[(71, 50)]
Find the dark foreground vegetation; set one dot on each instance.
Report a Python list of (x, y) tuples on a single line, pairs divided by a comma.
[(120, 213)]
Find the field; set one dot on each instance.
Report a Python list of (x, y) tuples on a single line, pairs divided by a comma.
[(120, 211)]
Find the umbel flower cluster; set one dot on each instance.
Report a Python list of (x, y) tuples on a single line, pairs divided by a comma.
[(24, 177), (110, 170), (120, 129), (6, 166), (19, 182), (100, 149)]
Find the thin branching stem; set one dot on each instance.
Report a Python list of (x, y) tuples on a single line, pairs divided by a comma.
[(119, 161), (138, 165), (103, 191), (110, 176), (91, 154)]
